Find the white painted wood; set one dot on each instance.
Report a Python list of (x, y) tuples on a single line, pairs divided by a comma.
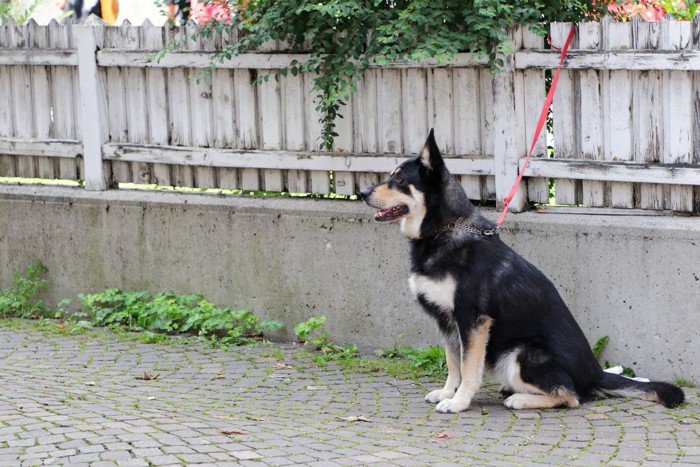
[(135, 99), (467, 111), (91, 116), (21, 90), (292, 102), (246, 118), (648, 119), (629, 172), (486, 112), (223, 108), (412, 121), (467, 123), (156, 102), (389, 112), (534, 94), (201, 113), (38, 55), (319, 180), (564, 115), (179, 112), (270, 114), (344, 181), (678, 113), (64, 103), (178, 121), (49, 148), (618, 111), (7, 162), (443, 111), (312, 161), (590, 117), (508, 147), (202, 59), (366, 125), (685, 60), (41, 97)]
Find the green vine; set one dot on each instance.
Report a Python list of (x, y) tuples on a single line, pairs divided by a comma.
[(345, 37)]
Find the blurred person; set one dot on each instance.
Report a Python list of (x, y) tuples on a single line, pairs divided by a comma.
[(177, 11), (108, 10)]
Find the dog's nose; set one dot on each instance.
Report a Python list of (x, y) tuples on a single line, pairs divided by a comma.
[(366, 192)]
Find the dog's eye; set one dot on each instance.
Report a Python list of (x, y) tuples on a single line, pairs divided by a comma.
[(398, 180)]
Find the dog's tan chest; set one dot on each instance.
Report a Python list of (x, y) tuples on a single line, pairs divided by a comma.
[(440, 292)]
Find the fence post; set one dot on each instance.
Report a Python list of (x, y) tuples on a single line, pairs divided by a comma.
[(508, 117), (90, 115)]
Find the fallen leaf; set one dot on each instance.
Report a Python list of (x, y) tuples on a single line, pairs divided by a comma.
[(315, 388), (148, 376), (359, 418), (220, 377), (442, 435), (281, 366), (234, 432), (255, 419), (90, 383)]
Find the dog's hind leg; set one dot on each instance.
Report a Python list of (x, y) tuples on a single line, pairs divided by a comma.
[(537, 380), (473, 356), (454, 372)]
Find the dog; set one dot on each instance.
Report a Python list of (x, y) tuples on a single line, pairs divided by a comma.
[(496, 311)]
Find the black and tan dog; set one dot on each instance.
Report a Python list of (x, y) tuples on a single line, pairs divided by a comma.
[(497, 311)]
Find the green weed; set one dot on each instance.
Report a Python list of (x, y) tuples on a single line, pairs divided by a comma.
[(18, 301), (684, 383), (309, 330), (428, 361), (598, 349), (166, 313)]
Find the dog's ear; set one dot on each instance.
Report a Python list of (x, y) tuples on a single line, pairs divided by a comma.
[(430, 155)]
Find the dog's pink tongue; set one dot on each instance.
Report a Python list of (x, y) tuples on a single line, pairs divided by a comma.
[(389, 215)]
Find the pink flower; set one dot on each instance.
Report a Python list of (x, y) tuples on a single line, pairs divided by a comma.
[(204, 11), (648, 10)]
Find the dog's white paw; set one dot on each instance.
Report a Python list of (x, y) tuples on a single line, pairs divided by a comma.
[(518, 401), (453, 405), (439, 395)]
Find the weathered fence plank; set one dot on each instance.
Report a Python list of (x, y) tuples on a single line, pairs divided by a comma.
[(64, 99), (91, 115), (678, 100)]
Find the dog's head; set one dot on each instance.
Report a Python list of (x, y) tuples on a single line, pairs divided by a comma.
[(420, 193)]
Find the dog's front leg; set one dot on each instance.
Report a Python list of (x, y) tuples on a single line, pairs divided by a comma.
[(454, 371), (473, 356)]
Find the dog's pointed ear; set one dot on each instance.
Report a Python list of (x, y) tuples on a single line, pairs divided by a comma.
[(430, 155)]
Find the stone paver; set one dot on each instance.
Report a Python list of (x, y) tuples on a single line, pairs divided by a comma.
[(76, 400)]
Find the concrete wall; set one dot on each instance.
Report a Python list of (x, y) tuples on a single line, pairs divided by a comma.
[(636, 279)]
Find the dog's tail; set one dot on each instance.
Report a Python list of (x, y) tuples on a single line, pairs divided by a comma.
[(667, 394)]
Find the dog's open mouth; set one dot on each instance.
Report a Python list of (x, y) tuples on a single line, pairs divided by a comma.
[(391, 214)]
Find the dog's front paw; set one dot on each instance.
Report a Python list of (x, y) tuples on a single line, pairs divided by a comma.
[(453, 405), (439, 395)]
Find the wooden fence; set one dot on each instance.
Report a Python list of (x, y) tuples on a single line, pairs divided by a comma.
[(84, 102)]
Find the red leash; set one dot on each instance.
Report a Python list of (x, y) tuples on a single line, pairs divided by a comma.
[(540, 125)]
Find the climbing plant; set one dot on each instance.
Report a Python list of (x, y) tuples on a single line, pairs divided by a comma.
[(344, 37)]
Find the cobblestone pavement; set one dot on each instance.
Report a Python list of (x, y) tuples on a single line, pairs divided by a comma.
[(77, 401)]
